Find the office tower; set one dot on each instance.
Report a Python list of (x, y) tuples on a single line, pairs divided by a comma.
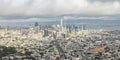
[(73, 27), (46, 33), (40, 27), (69, 28), (54, 35), (46, 26), (76, 28), (36, 24), (83, 27), (79, 27), (63, 35), (61, 22)]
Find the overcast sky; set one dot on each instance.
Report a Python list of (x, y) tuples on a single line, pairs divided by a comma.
[(37, 9)]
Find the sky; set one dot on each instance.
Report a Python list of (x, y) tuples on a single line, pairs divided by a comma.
[(34, 10)]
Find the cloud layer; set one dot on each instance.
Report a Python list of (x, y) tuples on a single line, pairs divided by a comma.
[(39, 8), (58, 7)]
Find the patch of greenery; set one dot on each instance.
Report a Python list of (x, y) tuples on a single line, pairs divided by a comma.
[(4, 51), (18, 53)]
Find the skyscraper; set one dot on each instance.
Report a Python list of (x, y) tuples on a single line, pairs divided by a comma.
[(61, 22), (36, 24), (46, 33), (83, 27)]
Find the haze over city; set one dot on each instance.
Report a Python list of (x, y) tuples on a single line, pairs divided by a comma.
[(59, 29)]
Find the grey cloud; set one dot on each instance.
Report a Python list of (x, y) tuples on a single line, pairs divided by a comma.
[(104, 0), (18, 9)]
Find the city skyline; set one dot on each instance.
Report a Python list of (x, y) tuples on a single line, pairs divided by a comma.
[(59, 29)]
